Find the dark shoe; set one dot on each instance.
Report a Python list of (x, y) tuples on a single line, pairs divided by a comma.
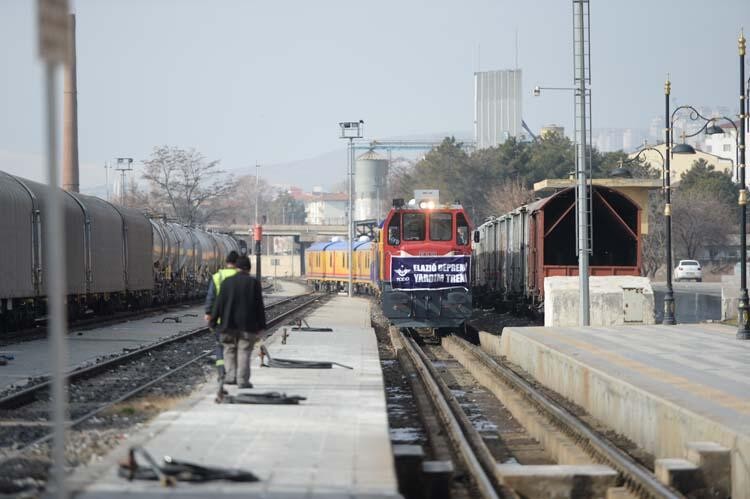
[(230, 382), (245, 385)]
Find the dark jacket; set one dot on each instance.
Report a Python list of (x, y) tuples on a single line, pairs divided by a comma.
[(239, 306)]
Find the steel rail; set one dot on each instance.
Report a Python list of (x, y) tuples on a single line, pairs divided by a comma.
[(641, 480), (28, 395), (456, 431), (137, 390)]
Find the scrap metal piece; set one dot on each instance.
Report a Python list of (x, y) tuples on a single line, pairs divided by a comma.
[(267, 398), (298, 327), (173, 470), (295, 364), (173, 318)]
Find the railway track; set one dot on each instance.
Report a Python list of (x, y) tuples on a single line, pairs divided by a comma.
[(81, 380), (477, 459)]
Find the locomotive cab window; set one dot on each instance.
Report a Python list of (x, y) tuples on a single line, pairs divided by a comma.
[(394, 230), (441, 227), (462, 230), (414, 228)]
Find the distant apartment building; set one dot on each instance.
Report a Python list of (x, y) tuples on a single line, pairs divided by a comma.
[(724, 144), (617, 139), (680, 163), (497, 107)]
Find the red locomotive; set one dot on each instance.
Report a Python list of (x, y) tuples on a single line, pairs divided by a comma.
[(423, 263)]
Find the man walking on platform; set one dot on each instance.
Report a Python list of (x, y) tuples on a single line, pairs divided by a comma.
[(213, 291), (239, 316)]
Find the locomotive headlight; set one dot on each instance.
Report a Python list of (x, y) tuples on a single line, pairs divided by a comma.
[(430, 205), (423, 204)]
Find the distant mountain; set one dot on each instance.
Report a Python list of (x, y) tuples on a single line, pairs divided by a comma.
[(329, 168)]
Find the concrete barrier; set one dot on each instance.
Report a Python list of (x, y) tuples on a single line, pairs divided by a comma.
[(615, 300)]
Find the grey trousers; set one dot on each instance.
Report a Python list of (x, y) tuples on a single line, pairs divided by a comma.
[(237, 350)]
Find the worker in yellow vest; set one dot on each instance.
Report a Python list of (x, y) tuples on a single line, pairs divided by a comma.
[(214, 287)]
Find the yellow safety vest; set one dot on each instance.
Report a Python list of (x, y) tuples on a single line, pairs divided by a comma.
[(220, 276)]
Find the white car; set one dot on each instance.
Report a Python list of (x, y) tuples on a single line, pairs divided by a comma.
[(688, 269)]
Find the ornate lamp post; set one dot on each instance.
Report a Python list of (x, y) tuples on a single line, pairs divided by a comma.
[(743, 332), (669, 308)]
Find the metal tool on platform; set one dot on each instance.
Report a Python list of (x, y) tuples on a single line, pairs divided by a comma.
[(173, 471), (299, 327), (295, 364)]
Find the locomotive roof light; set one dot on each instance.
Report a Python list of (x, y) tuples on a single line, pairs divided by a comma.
[(427, 198)]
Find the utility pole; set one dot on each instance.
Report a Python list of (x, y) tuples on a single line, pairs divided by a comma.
[(257, 229), (580, 27)]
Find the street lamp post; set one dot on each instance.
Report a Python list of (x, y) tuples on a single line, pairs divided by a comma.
[(743, 332), (669, 308), (350, 130)]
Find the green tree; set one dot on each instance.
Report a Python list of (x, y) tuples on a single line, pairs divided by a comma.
[(703, 177), (449, 169)]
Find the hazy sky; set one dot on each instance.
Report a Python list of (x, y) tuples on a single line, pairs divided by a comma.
[(247, 80)]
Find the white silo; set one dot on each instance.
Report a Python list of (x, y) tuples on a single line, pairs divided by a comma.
[(370, 171)]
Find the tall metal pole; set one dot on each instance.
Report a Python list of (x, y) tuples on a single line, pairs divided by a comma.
[(583, 249), (257, 229), (350, 170), (669, 309), (257, 187), (743, 331), (54, 275)]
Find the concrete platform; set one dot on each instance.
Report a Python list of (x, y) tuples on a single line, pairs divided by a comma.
[(661, 386), (335, 444), (85, 347)]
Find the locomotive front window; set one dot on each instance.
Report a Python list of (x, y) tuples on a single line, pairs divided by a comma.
[(394, 230), (414, 229), (462, 230), (441, 227)]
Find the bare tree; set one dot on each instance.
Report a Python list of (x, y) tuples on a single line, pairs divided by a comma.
[(135, 197), (508, 196), (185, 185), (240, 208), (698, 221)]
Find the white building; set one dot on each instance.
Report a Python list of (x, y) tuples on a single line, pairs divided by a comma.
[(324, 208), (724, 145), (497, 106)]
